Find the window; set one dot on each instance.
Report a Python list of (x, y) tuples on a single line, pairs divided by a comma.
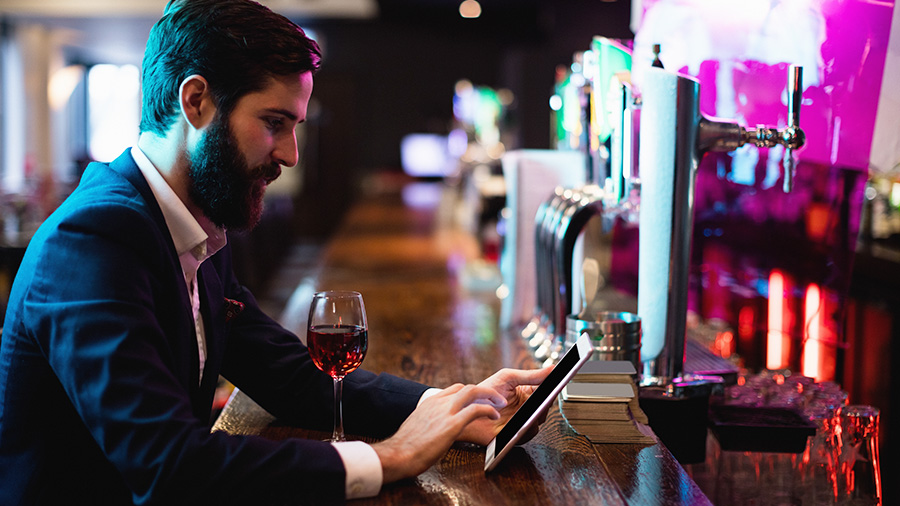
[(114, 110)]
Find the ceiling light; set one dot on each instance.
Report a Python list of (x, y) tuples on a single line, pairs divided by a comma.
[(470, 9)]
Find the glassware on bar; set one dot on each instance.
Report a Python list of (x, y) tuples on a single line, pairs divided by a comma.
[(338, 339), (860, 464), (819, 468)]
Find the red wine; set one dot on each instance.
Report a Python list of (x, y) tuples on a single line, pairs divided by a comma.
[(337, 350)]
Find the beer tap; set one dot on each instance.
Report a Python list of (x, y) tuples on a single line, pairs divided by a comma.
[(723, 135), (674, 137)]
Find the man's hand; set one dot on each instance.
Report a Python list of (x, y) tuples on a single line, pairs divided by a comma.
[(473, 413), (430, 430), (515, 386)]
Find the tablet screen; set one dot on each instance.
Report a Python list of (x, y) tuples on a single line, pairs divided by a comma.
[(542, 396)]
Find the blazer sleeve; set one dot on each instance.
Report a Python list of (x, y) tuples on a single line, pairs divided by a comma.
[(273, 367), (101, 308)]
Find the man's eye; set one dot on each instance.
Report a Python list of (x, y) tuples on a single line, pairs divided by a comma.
[(274, 123)]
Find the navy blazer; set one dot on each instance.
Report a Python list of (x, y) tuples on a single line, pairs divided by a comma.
[(100, 401)]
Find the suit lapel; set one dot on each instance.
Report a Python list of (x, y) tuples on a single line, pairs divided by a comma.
[(212, 307), (126, 166)]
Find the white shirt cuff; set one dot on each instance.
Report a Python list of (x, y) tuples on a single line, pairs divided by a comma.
[(428, 393), (363, 467)]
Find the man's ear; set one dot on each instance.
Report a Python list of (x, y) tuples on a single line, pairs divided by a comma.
[(196, 101)]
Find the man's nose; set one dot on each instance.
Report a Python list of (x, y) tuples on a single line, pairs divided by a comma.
[(286, 150)]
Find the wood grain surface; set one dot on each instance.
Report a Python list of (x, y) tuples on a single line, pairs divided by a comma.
[(410, 263)]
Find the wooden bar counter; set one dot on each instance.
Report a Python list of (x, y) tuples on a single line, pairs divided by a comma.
[(409, 263)]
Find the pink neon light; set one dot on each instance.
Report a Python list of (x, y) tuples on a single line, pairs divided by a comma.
[(775, 342), (812, 346)]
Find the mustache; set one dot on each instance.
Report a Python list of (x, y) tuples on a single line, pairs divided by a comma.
[(269, 172)]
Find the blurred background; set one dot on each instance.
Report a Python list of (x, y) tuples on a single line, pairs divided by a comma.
[(70, 74), (390, 68), (423, 88)]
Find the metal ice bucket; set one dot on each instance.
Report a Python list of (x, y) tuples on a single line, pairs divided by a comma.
[(616, 335)]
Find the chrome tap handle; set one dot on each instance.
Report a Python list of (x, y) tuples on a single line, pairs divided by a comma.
[(795, 95), (793, 137), (726, 135)]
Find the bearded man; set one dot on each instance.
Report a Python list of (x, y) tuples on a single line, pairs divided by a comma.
[(122, 316)]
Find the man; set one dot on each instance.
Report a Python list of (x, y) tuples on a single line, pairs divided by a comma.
[(125, 310)]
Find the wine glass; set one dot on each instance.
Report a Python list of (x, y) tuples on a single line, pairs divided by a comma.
[(337, 339)]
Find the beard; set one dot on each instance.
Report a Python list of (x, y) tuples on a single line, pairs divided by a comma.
[(223, 185)]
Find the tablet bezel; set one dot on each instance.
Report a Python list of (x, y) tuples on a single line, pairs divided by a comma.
[(584, 349)]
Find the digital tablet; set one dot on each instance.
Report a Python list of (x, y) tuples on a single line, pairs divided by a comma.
[(540, 399)]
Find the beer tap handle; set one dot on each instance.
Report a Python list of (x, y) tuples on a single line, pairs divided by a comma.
[(793, 137), (795, 95), (726, 135)]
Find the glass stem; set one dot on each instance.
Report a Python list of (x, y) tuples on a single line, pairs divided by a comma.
[(338, 434)]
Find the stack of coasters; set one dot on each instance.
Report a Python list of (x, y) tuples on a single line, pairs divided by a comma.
[(601, 402)]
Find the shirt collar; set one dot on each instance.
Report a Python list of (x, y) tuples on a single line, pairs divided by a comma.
[(193, 233)]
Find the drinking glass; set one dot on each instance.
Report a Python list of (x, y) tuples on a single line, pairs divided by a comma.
[(860, 464), (337, 339)]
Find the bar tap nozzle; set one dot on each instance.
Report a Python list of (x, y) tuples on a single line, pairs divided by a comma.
[(725, 135)]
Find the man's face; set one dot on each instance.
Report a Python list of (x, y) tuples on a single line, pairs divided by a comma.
[(241, 154)]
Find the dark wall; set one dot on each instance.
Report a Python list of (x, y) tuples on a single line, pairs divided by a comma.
[(381, 80)]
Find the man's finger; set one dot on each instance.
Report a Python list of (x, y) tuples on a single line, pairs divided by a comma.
[(532, 376), (515, 377), (476, 394), (474, 411)]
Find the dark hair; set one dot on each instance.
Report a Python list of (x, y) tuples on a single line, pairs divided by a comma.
[(236, 45)]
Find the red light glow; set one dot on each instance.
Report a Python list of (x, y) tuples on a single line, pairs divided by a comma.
[(777, 347), (812, 330)]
